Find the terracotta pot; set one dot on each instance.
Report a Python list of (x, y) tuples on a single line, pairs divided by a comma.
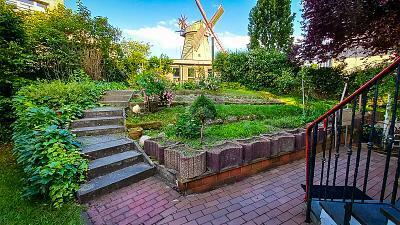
[(136, 133)]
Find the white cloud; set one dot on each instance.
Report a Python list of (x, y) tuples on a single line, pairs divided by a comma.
[(234, 42), (164, 39)]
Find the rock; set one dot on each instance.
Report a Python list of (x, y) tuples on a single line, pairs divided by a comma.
[(136, 109), (142, 139)]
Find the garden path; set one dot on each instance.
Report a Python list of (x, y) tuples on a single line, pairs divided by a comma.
[(272, 197)]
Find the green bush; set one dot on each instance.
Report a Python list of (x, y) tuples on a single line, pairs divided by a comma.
[(151, 83), (187, 126), (325, 82), (287, 82), (203, 108), (57, 94), (256, 69), (52, 162), (210, 83)]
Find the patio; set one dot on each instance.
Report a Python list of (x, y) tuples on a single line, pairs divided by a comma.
[(272, 197)]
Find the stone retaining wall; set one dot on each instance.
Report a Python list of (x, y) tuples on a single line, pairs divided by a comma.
[(229, 161)]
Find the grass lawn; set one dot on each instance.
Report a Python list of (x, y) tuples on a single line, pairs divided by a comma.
[(270, 118), (15, 209)]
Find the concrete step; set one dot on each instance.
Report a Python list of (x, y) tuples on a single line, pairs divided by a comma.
[(104, 112), (116, 98), (102, 166), (115, 180), (98, 121), (120, 92), (122, 104), (102, 146), (98, 130)]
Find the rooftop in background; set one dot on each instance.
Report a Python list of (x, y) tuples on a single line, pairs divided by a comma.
[(35, 5)]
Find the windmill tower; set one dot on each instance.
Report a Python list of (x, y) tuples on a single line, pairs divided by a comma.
[(197, 52), (196, 45)]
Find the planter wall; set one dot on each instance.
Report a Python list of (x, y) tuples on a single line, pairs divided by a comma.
[(187, 166), (155, 147), (255, 148), (223, 156), (281, 143), (300, 138)]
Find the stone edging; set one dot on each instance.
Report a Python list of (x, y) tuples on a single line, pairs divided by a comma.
[(225, 156)]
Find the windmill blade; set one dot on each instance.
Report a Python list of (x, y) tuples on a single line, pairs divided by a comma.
[(197, 37), (216, 16), (209, 27)]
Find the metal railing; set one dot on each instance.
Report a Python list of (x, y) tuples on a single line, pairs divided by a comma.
[(325, 133)]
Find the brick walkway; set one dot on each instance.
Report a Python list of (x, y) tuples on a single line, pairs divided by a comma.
[(272, 197)]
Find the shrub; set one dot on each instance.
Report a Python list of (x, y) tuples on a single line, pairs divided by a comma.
[(323, 82), (57, 94), (187, 126), (52, 162), (151, 84), (256, 69), (286, 82), (232, 67), (210, 83), (202, 109)]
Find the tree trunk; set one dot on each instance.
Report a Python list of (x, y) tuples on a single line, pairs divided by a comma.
[(201, 133)]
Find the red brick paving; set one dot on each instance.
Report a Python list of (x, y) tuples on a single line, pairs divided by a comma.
[(272, 197)]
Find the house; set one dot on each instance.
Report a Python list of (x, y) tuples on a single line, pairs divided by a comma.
[(35, 5)]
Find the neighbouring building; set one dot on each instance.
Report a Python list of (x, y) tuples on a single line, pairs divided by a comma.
[(196, 57), (35, 5), (355, 59)]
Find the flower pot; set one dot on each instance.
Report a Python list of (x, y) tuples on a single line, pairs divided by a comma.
[(135, 133)]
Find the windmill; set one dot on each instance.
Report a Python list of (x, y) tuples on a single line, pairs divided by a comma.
[(196, 45)]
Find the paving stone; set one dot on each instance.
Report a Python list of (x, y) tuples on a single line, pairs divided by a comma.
[(277, 195)]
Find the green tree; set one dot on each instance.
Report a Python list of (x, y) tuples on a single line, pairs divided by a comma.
[(13, 56), (203, 109), (160, 65), (271, 25)]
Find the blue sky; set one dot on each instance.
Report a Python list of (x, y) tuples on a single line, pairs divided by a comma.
[(154, 21)]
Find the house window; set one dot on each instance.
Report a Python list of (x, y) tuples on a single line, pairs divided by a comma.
[(191, 73), (209, 72), (176, 72)]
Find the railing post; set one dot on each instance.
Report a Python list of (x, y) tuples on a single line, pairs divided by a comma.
[(310, 171)]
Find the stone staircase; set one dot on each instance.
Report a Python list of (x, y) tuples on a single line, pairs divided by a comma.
[(115, 160)]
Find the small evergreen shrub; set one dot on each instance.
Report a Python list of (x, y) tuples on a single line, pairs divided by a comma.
[(203, 108)]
